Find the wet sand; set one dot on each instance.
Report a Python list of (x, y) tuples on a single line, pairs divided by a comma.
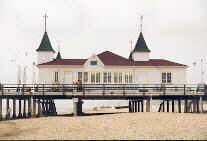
[(108, 124)]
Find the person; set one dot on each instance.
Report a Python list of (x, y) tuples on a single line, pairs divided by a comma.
[(79, 86)]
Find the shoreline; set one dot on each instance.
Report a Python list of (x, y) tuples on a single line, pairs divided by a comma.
[(110, 124)]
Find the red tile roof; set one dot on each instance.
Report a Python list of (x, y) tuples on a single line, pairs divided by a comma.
[(65, 62), (112, 59)]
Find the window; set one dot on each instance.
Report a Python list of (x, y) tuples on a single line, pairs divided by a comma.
[(105, 77), (92, 77), (109, 77), (130, 78), (126, 78), (120, 77), (98, 77), (166, 77), (169, 80), (93, 63), (56, 77), (85, 77), (80, 76), (115, 77)]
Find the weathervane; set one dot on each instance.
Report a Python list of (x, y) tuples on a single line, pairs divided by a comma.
[(131, 42), (141, 22), (45, 17)]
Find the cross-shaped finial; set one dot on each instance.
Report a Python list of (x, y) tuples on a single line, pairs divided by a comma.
[(131, 42), (141, 22), (45, 17)]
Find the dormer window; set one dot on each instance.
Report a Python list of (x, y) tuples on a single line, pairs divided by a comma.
[(93, 63)]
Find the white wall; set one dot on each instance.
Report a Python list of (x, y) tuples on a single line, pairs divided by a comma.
[(44, 56), (140, 56), (141, 75)]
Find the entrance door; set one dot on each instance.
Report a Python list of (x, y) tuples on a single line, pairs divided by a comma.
[(68, 77)]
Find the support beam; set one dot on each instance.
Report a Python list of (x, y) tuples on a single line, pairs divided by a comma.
[(163, 106), (167, 105), (186, 106), (34, 108), (24, 109), (148, 105), (173, 108), (139, 106), (201, 104), (1, 116), (142, 106), (39, 114), (130, 106), (14, 108), (30, 107), (194, 105), (20, 109), (8, 110), (179, 106), (136, 102), (77, 107), (197, 106)]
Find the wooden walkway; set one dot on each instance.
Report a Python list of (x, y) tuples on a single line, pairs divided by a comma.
[(39, 99)]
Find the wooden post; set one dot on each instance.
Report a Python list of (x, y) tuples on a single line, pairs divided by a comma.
[(30, 107), (46, 107), (197, 106), (77, 107), (136, 102), (7, 109), (20, 109), (163, 106), (194, 105), (138, 106), (167, 105), (142, 106), (14, 108), (34, 108), (148, 105), (186, 106), (201, 104), (179, 106), (1, 117), (173, 110), (39, 108), (24, 109), (130, 106)]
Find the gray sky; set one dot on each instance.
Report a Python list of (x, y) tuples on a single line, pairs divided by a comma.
[(173, 29)]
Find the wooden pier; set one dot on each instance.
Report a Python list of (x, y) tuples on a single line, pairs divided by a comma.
[(38, 100)]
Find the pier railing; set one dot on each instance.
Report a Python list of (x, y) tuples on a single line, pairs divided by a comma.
[(102, 89)]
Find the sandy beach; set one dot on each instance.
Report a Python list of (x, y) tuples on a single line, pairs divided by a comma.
[(108, 124)]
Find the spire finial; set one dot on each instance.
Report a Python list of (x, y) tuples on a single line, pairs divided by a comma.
[(131, 42), (141, 22), (45, 17)]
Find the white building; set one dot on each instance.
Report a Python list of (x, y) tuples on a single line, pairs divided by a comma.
[(108, 67)]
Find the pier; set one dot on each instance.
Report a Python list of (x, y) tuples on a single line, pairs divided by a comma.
[(36, 100)]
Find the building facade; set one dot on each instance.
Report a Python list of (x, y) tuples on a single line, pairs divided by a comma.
[(108, 67)]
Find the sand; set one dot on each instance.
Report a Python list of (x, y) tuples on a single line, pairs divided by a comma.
[(114, 124)]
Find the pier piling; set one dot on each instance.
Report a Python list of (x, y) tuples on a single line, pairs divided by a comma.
[(14, 108), (29, 107), (148, 105), (1, 117), (7, 109), (77, 107), (24, 109), (34, 108), (20, 109)]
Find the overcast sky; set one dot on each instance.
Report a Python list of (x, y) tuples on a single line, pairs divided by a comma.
[(173, 29)]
